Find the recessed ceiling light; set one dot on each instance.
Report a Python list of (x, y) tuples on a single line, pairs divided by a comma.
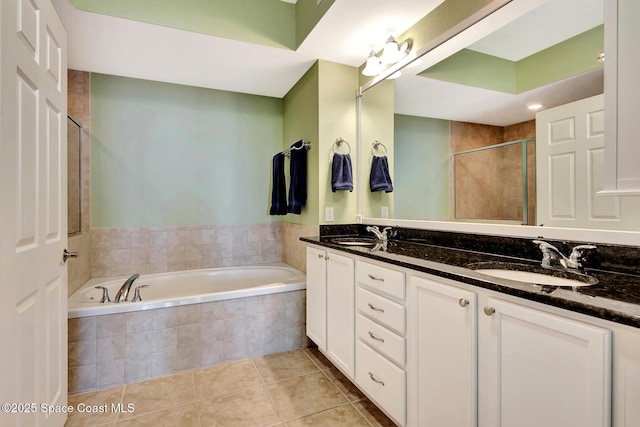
[(534, 106)]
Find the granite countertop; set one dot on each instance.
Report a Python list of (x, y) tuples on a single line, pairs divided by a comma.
[(616, 296)]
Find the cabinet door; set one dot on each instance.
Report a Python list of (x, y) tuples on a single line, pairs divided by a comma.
[(340, 312), (317, 297), (543, 369), (442, 342)]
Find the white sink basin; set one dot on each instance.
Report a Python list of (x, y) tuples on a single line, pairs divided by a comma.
[(537, 278)]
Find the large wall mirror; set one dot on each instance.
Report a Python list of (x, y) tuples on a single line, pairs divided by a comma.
[(466, 145)]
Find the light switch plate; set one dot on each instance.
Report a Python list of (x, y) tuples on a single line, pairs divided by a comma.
[(384, 212), (328, 214)]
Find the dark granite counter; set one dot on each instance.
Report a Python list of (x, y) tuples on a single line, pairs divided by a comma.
[(616, 296)]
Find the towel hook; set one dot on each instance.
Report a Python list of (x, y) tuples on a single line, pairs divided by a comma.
[(375, 146), (338, 143)]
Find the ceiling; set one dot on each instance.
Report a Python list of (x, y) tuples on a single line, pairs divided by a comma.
[(346, 34), (551, 22)]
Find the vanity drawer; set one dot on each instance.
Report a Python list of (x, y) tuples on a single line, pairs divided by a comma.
[(383, 381), (381, 309), (381, 339), (381, 279)]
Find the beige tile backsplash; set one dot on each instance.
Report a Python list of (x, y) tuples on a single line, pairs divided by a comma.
[(128, 250)]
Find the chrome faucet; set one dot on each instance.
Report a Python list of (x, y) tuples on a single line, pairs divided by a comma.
[(550, 252), (380, 235), (123, 292)]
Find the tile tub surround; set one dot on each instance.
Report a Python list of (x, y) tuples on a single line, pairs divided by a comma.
[(110, 350), (128, 250), (446, 254), (294, 252), (294, 388)]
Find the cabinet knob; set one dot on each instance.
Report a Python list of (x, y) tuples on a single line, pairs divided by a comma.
[(327, 257), (489, 310), (320, 256), (463, 302)]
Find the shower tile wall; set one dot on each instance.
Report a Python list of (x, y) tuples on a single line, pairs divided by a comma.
[(78, 102), (123, 251), (116, 349)]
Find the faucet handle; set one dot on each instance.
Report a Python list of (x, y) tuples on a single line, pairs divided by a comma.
[(105, 294), (547, 254), (136, 293), (577, 253)]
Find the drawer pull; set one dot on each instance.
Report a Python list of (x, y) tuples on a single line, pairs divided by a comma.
[(379, 279), (374, 308), (375, 337), (463, 302), (375, 380)]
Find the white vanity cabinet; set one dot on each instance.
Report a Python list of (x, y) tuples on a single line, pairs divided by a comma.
[(442, 344), (330, 306), (476, 359), (380, 332), (541, 369), (622, 100)]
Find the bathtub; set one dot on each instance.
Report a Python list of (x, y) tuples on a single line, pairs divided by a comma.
[(186, 287)]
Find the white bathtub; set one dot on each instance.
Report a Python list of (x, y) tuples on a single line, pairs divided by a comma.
[(187, 287)]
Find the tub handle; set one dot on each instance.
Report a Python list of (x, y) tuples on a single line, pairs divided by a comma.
[(136, 293), (105, 294)]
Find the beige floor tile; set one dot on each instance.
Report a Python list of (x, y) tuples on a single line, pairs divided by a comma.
[(161, 393), (341, 416), (181, 416), (375, 416), (94, 399), (318, 358), (250, 407), (225, 379), (343, 384), (275, 367), (304, 395)]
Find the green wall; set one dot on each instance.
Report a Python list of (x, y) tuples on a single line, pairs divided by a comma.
[(267, 22), (165, 154), (301, 121), (422, 183), (377, 125), (337, 89)]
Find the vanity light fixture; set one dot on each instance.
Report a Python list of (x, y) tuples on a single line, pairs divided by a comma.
[(373, 66), (392, 53)]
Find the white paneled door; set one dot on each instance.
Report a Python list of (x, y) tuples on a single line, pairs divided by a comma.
[(570, 170), (33, 214)]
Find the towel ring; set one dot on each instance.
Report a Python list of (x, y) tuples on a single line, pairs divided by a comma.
[(338, 143), (375, 146)]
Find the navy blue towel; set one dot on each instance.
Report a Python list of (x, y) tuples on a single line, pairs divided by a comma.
[(278, 189), (380, 179), (341, 175), (298, 173)]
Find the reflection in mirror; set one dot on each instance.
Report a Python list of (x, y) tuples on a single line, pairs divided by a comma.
[(446, 112), (73, 176)]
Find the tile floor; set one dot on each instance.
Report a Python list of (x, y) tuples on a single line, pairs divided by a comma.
[(295, 388)]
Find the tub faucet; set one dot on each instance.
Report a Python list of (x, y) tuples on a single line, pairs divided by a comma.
[(123, 292), (380, 235)]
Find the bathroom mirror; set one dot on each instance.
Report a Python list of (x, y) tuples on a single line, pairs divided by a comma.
[(74, 182), (472, 92)]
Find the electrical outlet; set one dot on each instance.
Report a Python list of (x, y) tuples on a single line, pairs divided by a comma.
[(384, 212), (328, 214)]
